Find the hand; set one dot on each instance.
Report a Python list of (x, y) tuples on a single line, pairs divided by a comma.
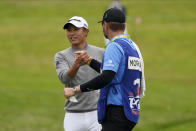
[(81, 58), (68, 92)]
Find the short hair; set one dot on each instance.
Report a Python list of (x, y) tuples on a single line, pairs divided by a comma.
[(115, 26)]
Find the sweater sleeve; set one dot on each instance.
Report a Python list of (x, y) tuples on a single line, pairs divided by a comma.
[(61, 69)]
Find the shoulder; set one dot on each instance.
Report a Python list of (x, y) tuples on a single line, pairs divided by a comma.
[(62, 53), (114, 46)]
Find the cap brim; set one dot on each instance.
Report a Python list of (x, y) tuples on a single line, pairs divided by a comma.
[(66, 26), (72, 23), (100, 21), (75, 24)]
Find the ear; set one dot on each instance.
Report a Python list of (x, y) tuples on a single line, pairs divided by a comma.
[(86, 31)]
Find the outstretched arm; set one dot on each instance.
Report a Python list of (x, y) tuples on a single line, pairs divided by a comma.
[(98, 82)]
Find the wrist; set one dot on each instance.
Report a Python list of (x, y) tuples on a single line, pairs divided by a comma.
[(76, 65), (76, 89), (89, 61)]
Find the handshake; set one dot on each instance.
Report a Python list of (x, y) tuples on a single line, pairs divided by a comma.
[(82, 58)]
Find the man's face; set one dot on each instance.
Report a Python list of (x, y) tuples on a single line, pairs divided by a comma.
[(105, 30), (76, 35)]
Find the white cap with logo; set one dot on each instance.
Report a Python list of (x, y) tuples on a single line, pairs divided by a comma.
[(77, 22)]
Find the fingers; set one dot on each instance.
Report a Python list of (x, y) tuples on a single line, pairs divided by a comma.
[(81, 57), (81, 53)]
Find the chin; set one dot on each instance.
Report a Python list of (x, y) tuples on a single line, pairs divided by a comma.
[(75, 43)]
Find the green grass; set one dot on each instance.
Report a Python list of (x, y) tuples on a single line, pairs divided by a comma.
[(31, 96)]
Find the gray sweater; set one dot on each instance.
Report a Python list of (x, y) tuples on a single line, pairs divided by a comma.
[(87, 101)]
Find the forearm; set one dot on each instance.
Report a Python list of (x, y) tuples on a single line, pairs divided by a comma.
[(98, 82), (73, 70), (96, 65)]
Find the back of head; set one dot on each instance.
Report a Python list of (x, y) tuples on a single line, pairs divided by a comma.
[(115, 26)]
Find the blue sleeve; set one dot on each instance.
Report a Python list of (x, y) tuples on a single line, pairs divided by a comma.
[(112, 57)]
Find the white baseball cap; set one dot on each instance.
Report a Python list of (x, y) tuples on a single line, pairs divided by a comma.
[(77, 22)]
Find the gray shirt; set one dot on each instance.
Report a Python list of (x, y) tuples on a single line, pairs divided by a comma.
[(64, 60)]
